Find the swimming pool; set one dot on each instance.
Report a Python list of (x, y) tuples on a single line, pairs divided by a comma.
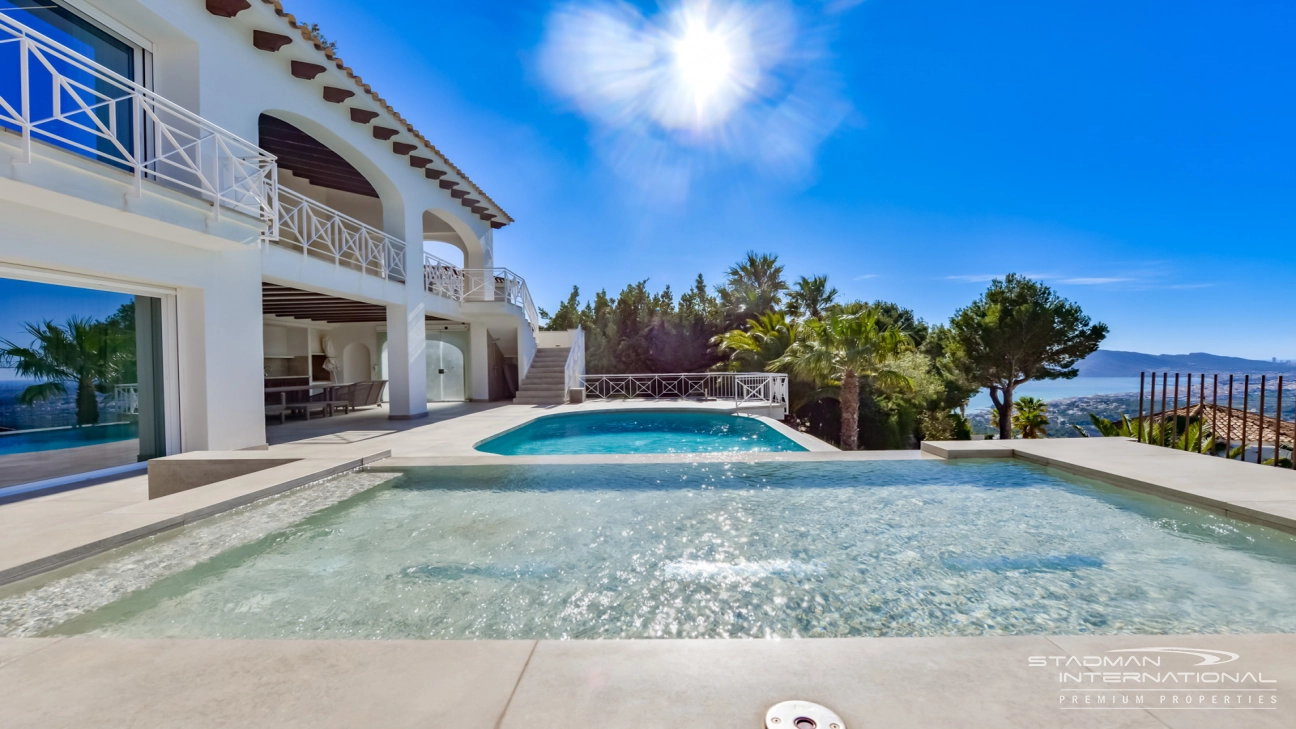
[(639, 431), (52, 439), (718, 550)]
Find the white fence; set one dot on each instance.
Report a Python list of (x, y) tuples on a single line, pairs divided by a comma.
[(54, 95), (741, 387), (126, 399), (443, 278), (322, 232)]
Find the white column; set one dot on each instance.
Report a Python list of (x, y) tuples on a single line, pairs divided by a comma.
[(477, 342), (406, 325)]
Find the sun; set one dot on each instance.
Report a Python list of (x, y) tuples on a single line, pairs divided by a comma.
[(703, 60)]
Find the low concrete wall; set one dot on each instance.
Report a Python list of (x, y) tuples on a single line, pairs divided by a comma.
[(174, 474)]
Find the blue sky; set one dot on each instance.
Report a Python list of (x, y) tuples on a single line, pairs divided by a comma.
[(1137, 156)]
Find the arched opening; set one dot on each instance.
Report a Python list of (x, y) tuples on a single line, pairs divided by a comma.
[(312, 169), (443, 232), (357, 363), (448, 252)]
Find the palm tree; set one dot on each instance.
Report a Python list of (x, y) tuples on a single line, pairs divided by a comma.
[(755, 286), (842, 350), (91, 353), (766, 338), (1031, 418), (811, 296)]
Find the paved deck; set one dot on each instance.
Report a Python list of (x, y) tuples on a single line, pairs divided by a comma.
[(909, 683)]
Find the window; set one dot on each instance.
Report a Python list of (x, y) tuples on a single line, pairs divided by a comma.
[(90, 116)]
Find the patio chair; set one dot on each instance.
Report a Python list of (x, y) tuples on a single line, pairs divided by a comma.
[(368, 394), (343, 397)]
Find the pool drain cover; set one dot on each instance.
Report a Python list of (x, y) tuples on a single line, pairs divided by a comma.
[(802, 715)]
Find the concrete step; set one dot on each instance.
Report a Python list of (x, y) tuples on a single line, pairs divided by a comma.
[(545, 391)]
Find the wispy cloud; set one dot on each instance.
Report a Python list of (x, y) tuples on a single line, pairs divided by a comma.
[(1092, 281), (867, 275), (1191, 286)]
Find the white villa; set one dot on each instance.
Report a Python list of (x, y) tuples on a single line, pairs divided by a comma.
[(265, 206)]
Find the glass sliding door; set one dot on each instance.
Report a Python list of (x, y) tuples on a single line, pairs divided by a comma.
[(81, 381)]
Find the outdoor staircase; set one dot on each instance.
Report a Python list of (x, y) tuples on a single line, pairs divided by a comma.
[(545, 381)]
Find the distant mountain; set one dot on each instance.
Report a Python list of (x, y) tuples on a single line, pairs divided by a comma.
[(1111, 363)]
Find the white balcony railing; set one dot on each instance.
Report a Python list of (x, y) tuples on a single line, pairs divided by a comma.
[(51, 94), (319, 231), (443, 278), (126, 399), (741, 387)]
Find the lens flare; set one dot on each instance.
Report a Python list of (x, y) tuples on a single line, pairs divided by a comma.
[(698, 86)]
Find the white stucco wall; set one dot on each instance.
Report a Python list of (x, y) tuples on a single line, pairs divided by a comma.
[(218, 301)]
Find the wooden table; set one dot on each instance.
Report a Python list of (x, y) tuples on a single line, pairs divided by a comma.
[(328, 390)]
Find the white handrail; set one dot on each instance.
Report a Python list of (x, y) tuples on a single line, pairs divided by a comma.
[(69, 101), (741, 387), (126, 398), (442, 278), (322, 232)]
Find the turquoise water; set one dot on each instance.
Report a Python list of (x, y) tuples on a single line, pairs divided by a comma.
[(641, 431), (726, 550), (57, 438)]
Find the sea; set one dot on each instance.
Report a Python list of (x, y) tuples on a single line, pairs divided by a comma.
[(56, 412), (1049, 390)]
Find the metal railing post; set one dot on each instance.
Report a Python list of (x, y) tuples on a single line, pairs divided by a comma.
[(1246, 405), (1260, 433), (1278, 421)]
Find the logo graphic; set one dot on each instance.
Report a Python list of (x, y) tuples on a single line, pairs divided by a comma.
[(1209, 657)]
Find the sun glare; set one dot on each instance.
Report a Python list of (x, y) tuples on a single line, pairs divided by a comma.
[(703, 61), (696, 84)]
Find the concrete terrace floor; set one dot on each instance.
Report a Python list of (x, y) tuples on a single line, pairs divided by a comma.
[(870, 682)]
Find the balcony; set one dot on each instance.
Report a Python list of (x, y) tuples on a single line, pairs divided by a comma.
[(318, 231), (442, 278), (51, 96)]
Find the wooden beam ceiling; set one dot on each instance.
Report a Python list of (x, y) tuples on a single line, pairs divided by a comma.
[(306, 157)]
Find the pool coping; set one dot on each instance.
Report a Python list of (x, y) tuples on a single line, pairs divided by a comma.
[(1250, 492)]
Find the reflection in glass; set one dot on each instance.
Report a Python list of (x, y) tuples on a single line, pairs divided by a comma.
[(80, 381)]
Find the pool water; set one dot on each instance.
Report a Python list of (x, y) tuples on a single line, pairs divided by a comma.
[(640, 431), (729, 550), (52, 439)]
